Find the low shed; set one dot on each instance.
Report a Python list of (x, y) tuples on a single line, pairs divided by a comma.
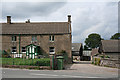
[(77, 50)]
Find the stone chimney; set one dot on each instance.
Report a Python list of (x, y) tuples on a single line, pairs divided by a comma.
[(69, 18), (28, 21), (8, 19)]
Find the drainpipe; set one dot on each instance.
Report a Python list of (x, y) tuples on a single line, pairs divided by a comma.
[(19, 44)]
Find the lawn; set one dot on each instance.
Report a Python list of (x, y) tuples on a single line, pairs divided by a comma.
[(30, 62)]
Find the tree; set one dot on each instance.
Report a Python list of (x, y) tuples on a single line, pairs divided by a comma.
[(92, 41), (116, 36), (85, 47)]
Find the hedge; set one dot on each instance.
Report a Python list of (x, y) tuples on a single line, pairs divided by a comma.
[(30, 62)]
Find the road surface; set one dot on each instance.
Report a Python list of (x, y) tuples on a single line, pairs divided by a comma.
[(79, 70)]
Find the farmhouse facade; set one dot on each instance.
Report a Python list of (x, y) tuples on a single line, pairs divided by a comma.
[(31, 39)]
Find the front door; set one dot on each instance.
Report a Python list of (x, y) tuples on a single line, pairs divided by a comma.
[(31, 51)]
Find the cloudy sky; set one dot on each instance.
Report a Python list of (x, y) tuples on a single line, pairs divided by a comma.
[(87, 17)]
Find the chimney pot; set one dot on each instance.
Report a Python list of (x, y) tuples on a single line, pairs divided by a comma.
[(69, 18), (8, 19), (28, 21)]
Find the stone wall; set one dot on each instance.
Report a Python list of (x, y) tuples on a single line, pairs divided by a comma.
[(62, 42), (110, 63)]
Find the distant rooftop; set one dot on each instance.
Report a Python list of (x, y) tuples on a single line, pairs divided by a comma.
[(110, 45)]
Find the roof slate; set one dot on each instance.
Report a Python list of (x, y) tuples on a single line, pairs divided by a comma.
[(76, 46), (36, 28), (110, 45), (94, 51)]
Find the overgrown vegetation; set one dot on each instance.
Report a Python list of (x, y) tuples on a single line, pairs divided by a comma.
[(4, 54), (102, 56), (97, 61)]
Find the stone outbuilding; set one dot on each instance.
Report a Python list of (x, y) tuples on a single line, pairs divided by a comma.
[(110, 48), (77, 50)]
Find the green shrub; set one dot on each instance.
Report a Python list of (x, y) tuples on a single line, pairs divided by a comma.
[(42, 62), (30, 62), (97, 61), (92, 62), (102, 56), (107, 57)]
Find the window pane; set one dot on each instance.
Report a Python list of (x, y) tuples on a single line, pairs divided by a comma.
[(34, 38), (14, 50), (14, 38), (52, 49), (23, 49), (52, 38)]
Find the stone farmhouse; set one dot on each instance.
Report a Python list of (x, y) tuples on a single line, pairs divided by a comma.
[(30, 39)]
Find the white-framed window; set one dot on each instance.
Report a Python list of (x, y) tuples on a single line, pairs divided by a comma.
[(23, 50), (52, 50), (14, 50), (34, 38), (51, 37), (14, 38)]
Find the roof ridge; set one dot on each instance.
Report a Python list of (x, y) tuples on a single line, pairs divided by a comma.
[(34, 22)]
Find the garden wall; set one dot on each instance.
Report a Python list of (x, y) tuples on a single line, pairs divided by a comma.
[(107, 62), (110, 63)]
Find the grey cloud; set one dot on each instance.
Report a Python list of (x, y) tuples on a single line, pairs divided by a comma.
[(28, 9), (101, 19), (87, 17)]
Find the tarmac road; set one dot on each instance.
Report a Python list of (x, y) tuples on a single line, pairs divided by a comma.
[(76, 71), (24, 73)]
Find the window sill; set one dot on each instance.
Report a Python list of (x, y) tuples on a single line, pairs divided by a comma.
[(14, 41), (14, 52), (51, 41), (52, 52), (23, 52)]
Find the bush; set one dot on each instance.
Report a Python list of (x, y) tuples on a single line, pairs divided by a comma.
[(107, 57), (42, 62), (97, 61), (102, 56)]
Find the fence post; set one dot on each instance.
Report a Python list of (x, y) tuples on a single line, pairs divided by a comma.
[(52, 61)]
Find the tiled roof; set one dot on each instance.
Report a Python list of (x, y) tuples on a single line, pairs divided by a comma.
[(110, 45), (36, 28)]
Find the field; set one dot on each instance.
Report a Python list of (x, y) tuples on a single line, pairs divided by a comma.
[(30, 62)]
